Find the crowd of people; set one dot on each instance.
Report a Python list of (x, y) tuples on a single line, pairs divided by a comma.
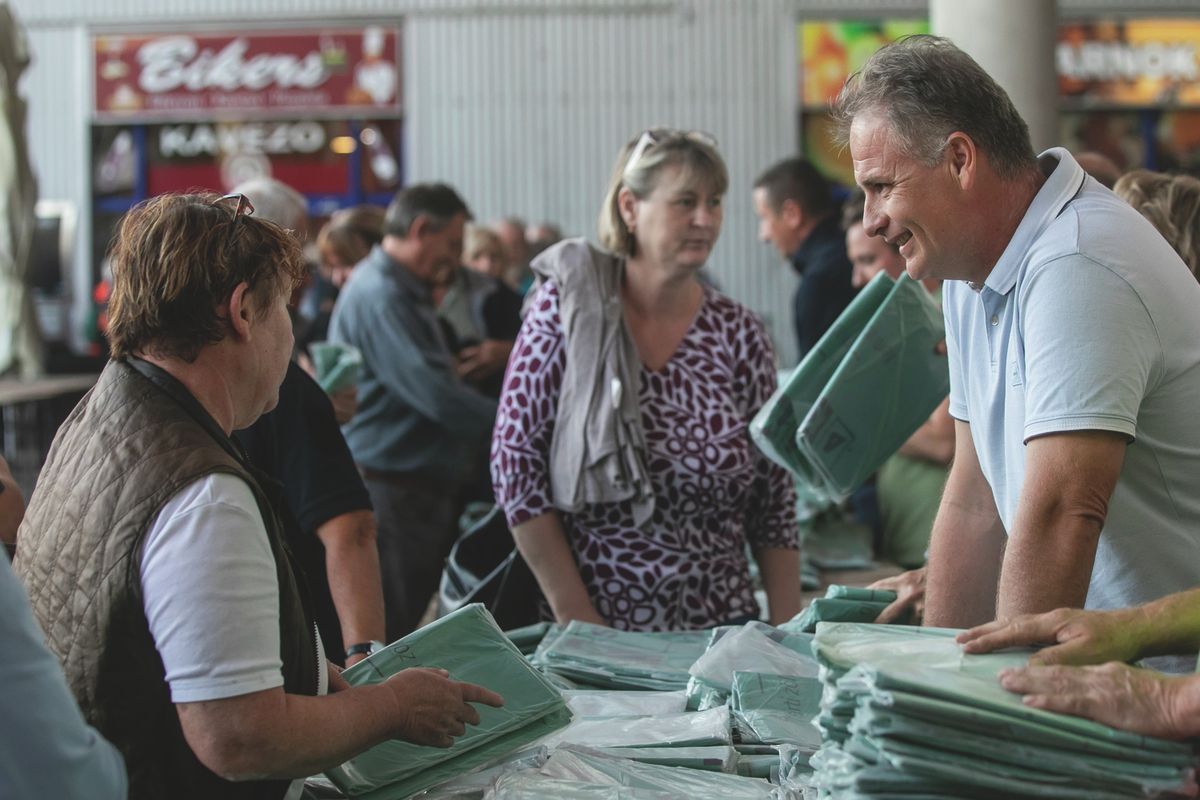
[(601, 395)]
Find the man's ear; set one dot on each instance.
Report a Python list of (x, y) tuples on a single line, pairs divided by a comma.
[(962, 158), (421, 227), (791, 213), (240, 311)]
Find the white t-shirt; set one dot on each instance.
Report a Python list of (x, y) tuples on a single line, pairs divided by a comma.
[(211, 594)]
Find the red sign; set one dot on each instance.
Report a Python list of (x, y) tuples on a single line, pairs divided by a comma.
[(353, 71)]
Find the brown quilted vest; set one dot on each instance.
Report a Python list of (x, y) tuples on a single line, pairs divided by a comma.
[(130, 445)]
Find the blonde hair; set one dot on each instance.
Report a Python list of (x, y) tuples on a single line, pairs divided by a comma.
[(698, 159), (477, 239), (1172, 205)]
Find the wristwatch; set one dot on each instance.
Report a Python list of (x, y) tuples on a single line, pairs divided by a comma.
[(369, 648)]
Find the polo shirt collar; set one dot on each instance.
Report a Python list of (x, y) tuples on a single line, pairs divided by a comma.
[(1064, 178)]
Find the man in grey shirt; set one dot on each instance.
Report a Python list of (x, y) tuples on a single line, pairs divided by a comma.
[(420, 432)]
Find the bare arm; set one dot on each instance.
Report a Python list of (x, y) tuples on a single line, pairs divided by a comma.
[(966, 546), (780, 569), (933, 441), (543, 545), (352, 565), (1168, 626), (1069, 478), (12, 506), (270, 734)]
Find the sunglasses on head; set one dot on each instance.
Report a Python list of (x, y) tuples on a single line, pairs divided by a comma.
[(657, 136), (240, 206)]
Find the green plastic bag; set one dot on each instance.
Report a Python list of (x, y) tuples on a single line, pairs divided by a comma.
[(774, 428), (469, 645), (338, 365), (606, 658), (708, 759), (617, 703), (589, 766), (689, 729), (840, 592), (529, 637), (776, 709), (907, 713), (837, 609), (885, 388)]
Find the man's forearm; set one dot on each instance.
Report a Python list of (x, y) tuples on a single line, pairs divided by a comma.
[(1169, 626), (965, 552), (352, 566), (1069, 479), (1049, 562)]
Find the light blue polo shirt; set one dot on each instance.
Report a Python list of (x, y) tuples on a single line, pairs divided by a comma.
[(1090, 321)]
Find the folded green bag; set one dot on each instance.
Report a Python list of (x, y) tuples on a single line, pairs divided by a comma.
[(835, 609), (885, 388), (690, 729), (589, 766), (776, 709), (338, 365), (470, 646), (774, 427), (610, 659), (714, 758), (618, 703), (876, 718), (839, 592)]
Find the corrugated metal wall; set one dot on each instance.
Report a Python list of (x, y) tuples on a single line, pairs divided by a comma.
[(526, 113), (520, 103)]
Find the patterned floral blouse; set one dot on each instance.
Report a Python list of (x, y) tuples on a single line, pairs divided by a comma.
[(714, 491)]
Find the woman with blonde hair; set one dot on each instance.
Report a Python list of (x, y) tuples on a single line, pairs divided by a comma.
[(1172, 204), (620, 454)]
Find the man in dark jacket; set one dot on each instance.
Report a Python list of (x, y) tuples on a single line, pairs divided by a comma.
[(799, 215)]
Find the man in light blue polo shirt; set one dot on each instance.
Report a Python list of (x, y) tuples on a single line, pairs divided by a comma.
[(1073, 334)]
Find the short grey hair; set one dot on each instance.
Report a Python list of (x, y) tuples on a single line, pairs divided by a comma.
[(698, 159), (276, 202), (927, 88)]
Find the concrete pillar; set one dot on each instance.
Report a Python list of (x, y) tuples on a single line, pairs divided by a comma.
[(1014, 40)]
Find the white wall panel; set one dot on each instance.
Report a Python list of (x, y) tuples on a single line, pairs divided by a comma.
[(526, 113)]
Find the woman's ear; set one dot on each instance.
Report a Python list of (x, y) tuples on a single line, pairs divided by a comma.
[(627, 205)]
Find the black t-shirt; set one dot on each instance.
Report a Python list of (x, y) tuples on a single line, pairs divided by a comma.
[(300, 444)]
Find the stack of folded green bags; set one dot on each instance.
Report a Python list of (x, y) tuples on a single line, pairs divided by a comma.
[(870, 381), (907, 714), (846, 604), (469, 645), (595, 656), (584, 773)]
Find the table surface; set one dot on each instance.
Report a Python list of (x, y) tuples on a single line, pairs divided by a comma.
[(13, 391)]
